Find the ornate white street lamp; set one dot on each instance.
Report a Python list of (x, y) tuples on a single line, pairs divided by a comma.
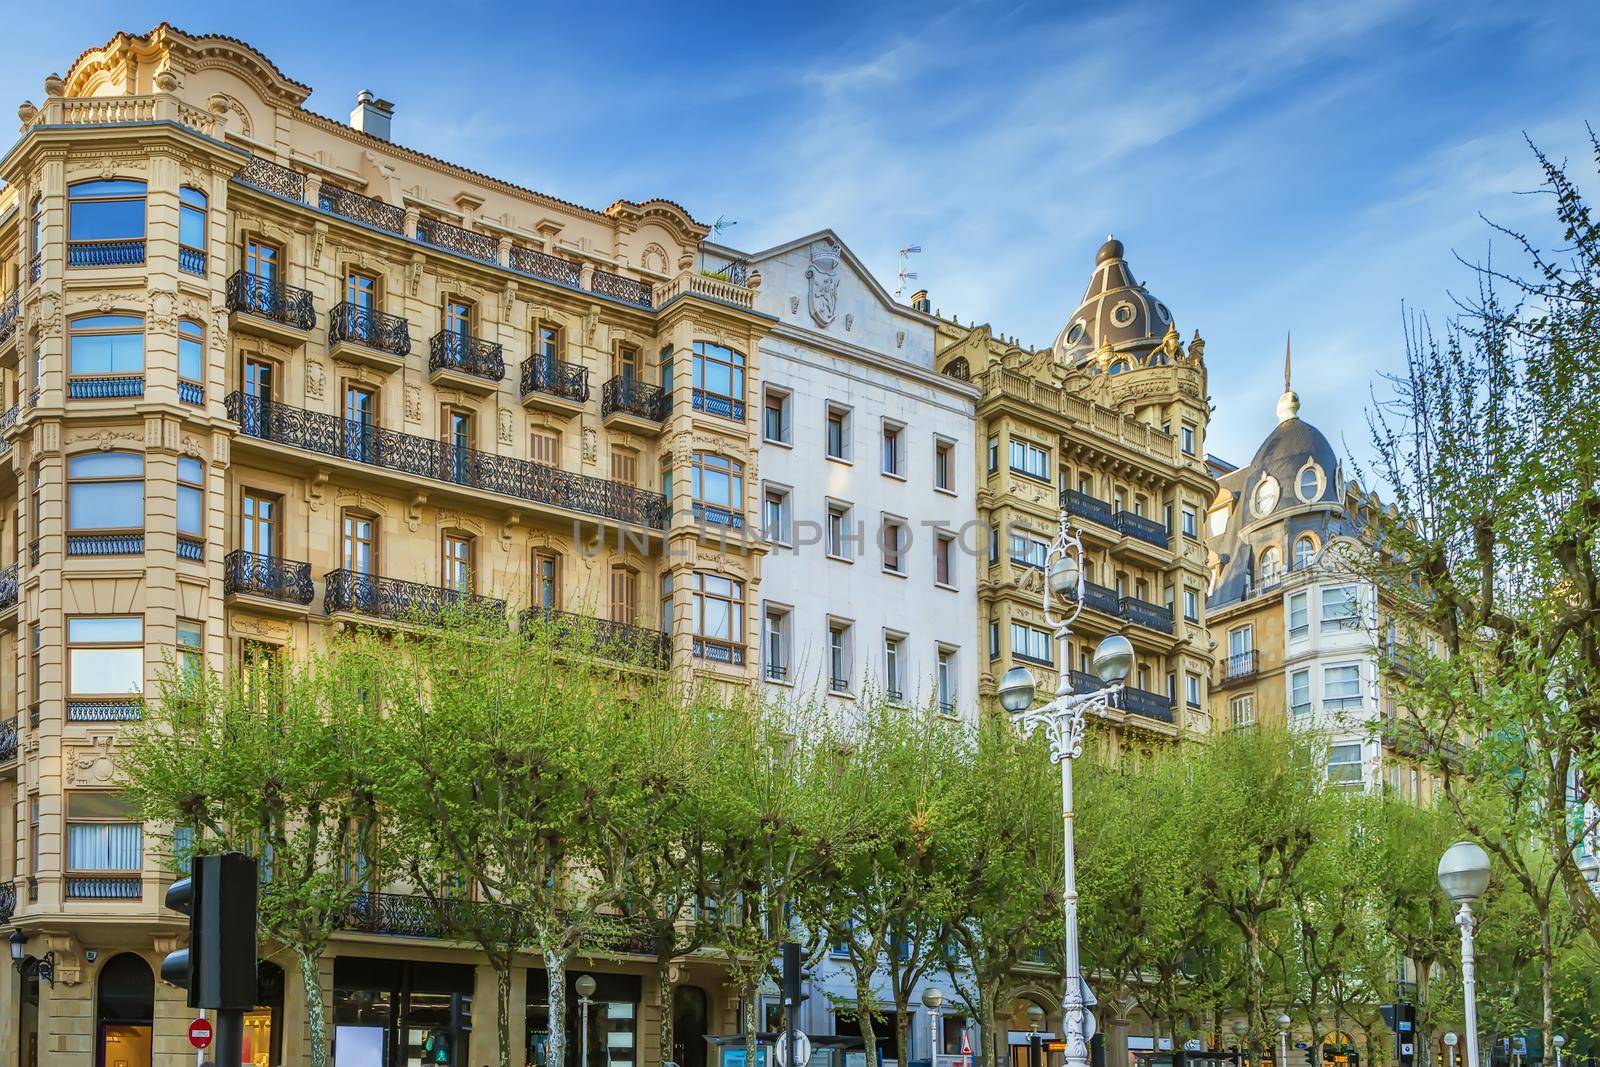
[(932, 997), (1464, 875), (1450, 1040), (585, 986), (1063, 723), (1558, 1041), (1283, 1022)]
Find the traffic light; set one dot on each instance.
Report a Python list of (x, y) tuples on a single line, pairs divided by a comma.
[(792, 977), (219, 966), (1405, 1032)]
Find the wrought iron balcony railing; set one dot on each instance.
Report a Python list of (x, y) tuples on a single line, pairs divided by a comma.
[(543, 265), (10, 583), (129, 253), (453, 238), (620, 641), (329, 435), (719, 651), (398, 601), (1241, 665), (251, 574), (9, 312), (1101, 598), (724, 407), (1089, 507), (414, 915), (1147, 614), (1142, 528), (363, 209), (543, 374), (1135, 701), (8, 901), (370, 327), (712, 515), (36, 267), (104, 710), (467, 354), (625, 289), (270, 299), (104, 887), (106, 387), (8, 740), (633, 397), (269, 177)]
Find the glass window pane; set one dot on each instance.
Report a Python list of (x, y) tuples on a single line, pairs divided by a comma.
[(99, 806), (192, 196), (106, 671), (189, 469), (108, 322), (189, 510), (188, 634), (106, 465), (191, 360), (106, 629), (105, 505), (118, 353), (106, 220), (104, 846), (110, 187), (192, 228)]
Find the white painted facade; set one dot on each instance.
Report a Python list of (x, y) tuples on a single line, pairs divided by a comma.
[(841, 615)]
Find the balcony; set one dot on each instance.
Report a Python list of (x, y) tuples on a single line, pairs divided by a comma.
[(268, 581), (554, 385), (1240, 667), (10, 584), (364, 335), (108, 544), (105, 386), (8, 901), (1084, 506), (269, 177), (618, 641), (414, 915), (461, 361), (104, 887), (421, 457), (125, 253), (405, 602), (462, 242), (713, 515), (542, 265), (619, 288), (1143, 529), (1144, 613), (724, 407), (719, 651), (268, 308), (632, 404), (8, 740), (10, 312), (1143, 702), (104, 710), (362, 209), (1101, 599)]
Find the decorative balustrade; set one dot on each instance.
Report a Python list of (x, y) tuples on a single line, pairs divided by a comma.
[(719, 651), (106, 387), (1142, 528), (1101, 598), (191, 549), (712, 515), (8, 901), (543, 374), (269, 177), (191, 393), (1089, 507), (725, 407), (375, 329), (251, 574), (8, 739), (620, 641), (329, 435), (693, 283), (123, 110), (364, 209), (191, 261), (633, 397), (125, 253), (398, 601), (625, 289), (1145, 613), (130, 544), (414, 915), (1134, 701), (1241, 665), (453, 238), (10, 311), (36, 267), (94, 887), (270, 299), (10, 585), (543, 265), (104, 710), (469, 355)]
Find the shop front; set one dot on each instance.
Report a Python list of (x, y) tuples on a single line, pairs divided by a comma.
[(401, 1013)]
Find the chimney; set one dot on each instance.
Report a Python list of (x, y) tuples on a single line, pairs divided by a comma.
[(372, 115), (919, 301)]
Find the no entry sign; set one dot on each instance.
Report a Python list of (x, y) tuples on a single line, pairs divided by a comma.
[(200, 1033)]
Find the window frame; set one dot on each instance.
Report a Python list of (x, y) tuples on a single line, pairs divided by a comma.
[(1294, 688), (75, 646), (734, 597), (1300, 632), (840, 648), (191, 487), (837, 545), (895, 667), (1347, 700), (1030, 633), (704, 352), (69, 821), (541, 557), (74, 199), (840, 415), (944, 559), (76, 328), (785, 407), (1359, 765), (1029, 453), (186, 211), (944, 464), (1336, 624), (457, 550), (731, 468), (192, 332), (119, 479), (775, 669), (893, 449), (947, 677), (892, 549)]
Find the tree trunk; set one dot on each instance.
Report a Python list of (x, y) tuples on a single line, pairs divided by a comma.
[(989, 1047), (747, 999), (555, 969), (1547, 963), (316, 1020), (665, 995), (902, 1034), (866, 1017), (502, 995)]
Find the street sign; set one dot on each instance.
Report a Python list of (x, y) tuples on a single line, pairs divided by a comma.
[(802, 1050), (1301, 1045), (966, 1044), (200, 1033), (1407, 1049), (1194, 1044)]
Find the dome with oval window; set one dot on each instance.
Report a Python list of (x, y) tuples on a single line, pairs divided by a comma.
[(1266, 496), (1309, 484), (1116, 312)]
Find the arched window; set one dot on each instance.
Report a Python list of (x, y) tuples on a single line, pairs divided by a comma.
[(105, 223), (191, 362), (1310, 483), (1271, 563), (1305, 550), (716, 485), (959, 369), (191, 230), (1118, 367), (125, 995), (105, 356)]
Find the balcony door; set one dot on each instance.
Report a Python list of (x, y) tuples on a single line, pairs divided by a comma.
[(259, 384), (457, 445), (360, 423), (1241, 642), (457, 563), (259, 531), (358, 552), (261, 271), (361, 293)]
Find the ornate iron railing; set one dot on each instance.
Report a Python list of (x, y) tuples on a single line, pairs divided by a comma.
[(191, 261), (87, 887), (329, 435), (414, 915), (725, 407), (391, 598), (543, 265), (273, 300), (131, 544), (712, 515), (363, 209), (544, 374), (10, 585), (33, 552), (719, 651), (369, 327), (191, 393), (625, 289), (1136, 701), (9, 312), (1085, 506), (1101, 598), (456, 239), (251, 574), (1142, 528), (192, 549), (1241, 665), (633, 397), (8, 740), (104, 710), (620, 641), (9, 418), (467, 354), (8, 901), (1147, 614), (126, 253), (269, 177), (36, 267), (777, 672), (110, 387)]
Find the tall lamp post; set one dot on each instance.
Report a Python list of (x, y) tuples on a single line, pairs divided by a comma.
[(1450, 1040), (1558, 1041), (585, 987), (1283, 1022), (1464, 875), (932, 997), (1063, 723)]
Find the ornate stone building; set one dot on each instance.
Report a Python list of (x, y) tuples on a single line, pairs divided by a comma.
[(1108, 424), (266, 372)]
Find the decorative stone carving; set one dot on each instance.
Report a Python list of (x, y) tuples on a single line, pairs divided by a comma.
[(162, 314), (259, 627), (413, 403), (316, 380), (794, 305), (506, 426), (105, 440), (900, 339), (822, 282), (654, 258), (591, 446), (357, 498), (92, 764)]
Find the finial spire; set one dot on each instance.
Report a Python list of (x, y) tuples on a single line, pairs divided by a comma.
[(1287, 338), (1288, 403)]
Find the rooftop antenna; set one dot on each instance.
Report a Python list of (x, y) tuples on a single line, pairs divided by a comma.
[(906, 275), (723, 223)]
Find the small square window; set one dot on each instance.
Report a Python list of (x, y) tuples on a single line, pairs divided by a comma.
[(775, 421), (1188, 439)]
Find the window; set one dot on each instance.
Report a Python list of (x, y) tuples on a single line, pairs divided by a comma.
[(1028, 551), (544, 446), (33, 835), (624, 594), (457, 318), (191, 361), (358, 550), (1191, 523), (105, 223), (994, 639), (1266, 495), (775, 647), (1299, 616), (994, 454), (362, 291), (191, 496), (1241, 642), (36, 246), (944, 465), (455, 565), (894, 441), (1242, 710), (1340, 608), (838, 656), (1341, 688), (946, 680), (892, 538), (775, 425), (627, 364), (1305, 550), (1300, 693), (1188, 439), (1310, 482), (1344, 764), (625, 466), (1191, 604), (105, 656), (839, 537), (1191, 689), (894, 667), (105, 491), (103, 833), (258, 533), (191, 230), (1030, 459), (775, 515), (546, 580), (838, 433), (549, 341), (191, 647), (35, 654), (716, 484), (102, 346), (1031, 643), (718, 617), (1217, 521), (261, 262), (944, 550), (718, 380), (1270, 567)]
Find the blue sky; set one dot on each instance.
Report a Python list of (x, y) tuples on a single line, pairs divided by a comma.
[(1300, 167)]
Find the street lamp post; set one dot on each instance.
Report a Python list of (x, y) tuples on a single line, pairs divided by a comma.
[(1558, 1041), (1283, 1022), (1035, 1042), (1464, 875), (1240, 1028), (932, 997), (585, 987), (1063, 723), (1450, 1040)]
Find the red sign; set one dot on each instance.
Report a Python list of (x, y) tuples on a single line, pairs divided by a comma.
[(200, 1033)]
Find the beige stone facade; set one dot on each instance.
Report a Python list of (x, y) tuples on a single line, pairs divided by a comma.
[(268, 373)]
